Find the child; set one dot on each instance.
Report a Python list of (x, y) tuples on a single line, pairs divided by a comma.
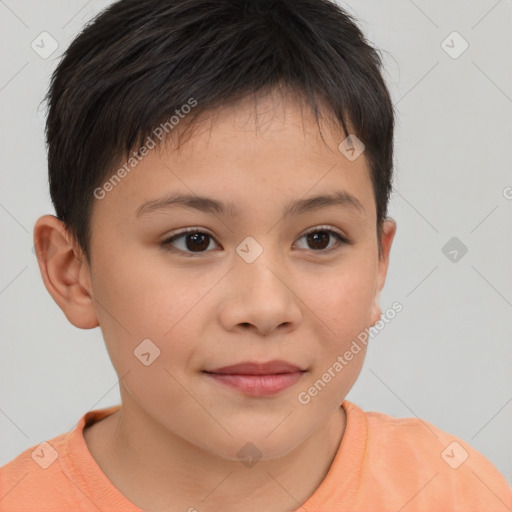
[(220, 171)]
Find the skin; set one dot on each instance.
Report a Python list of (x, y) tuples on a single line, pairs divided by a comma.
[(176, 438)]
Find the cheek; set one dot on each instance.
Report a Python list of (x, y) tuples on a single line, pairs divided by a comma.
[(345, 314), (145, 296), (137, 301), (342, 300)]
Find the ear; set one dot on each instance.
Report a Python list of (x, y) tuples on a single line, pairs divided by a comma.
[(389, 230), (65, 271)]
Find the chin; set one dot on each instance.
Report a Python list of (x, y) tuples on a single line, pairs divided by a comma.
[(251, 447)]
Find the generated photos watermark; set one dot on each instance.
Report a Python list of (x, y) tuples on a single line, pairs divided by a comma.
[(304, 397), (158, 133)]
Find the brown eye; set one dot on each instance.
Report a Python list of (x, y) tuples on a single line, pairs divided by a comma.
[(318, 239), (193, 242), (196, 242)]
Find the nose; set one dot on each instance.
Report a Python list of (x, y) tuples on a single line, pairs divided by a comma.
[(260, 297)]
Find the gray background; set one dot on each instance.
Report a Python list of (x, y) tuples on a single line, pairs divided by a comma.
[(445, 358)]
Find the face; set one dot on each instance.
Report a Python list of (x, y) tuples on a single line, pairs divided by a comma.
[(247, 283)]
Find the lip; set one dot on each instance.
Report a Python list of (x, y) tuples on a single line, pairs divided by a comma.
[(255, 368), (258, 379)]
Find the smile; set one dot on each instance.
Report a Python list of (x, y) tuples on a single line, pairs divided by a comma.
[(258, 385)]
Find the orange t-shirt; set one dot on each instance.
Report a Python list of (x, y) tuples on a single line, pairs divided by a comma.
[(382, 464)]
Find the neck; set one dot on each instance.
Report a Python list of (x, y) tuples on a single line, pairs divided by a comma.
[(155, 470)]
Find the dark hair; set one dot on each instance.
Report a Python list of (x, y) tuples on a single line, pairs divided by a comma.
[(139, 61)]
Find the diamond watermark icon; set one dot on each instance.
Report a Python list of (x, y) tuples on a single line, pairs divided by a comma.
[(454, 45), (44, 455), (44, 45), (46, 253), (249, 454), (454, 455), (351, 147), (249, 249), (454, 250), (146, 352)]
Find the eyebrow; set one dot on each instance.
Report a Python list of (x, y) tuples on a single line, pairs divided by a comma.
[(214, 206)]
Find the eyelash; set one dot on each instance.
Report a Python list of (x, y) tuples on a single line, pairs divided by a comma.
[(341, 240)]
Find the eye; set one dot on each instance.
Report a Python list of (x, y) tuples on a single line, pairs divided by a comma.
[(193, 242), (320, 236), (196, 242)]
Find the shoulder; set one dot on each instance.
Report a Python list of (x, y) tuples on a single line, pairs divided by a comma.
[(33, 478), (413, 455), (408, 437), (58, 474)]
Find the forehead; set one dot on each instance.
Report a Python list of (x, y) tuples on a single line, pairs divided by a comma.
[(250, 153)]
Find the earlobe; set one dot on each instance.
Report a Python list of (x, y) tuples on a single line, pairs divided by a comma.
[(66, 275), (376, 310)]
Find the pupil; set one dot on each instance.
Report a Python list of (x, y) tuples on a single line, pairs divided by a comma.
[(312, 237), (197, 239)]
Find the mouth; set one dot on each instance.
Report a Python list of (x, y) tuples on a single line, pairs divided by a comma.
[(258, 379)]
